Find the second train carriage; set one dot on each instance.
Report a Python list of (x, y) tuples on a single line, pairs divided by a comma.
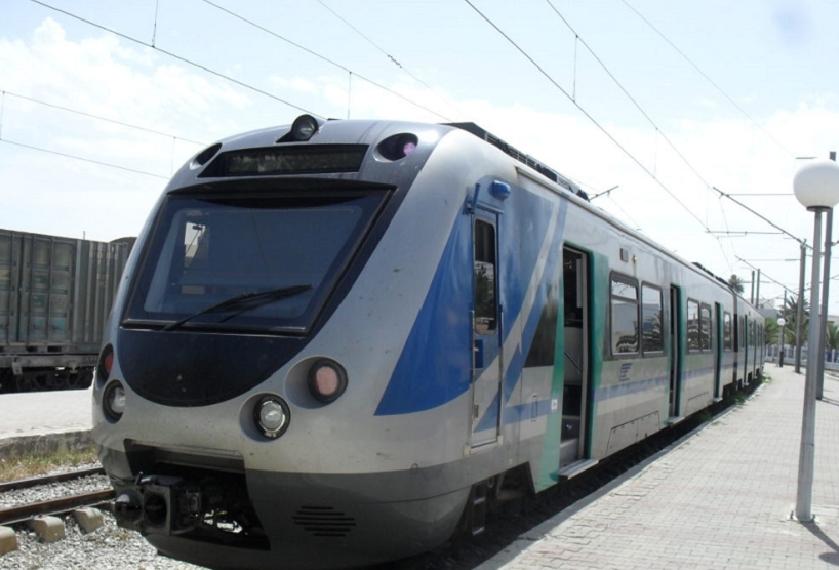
[(55, 297), (331, 329)]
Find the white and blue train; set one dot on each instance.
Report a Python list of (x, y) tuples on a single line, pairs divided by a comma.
[(335, 343)]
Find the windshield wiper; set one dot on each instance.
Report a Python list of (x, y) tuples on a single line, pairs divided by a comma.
[(245, 301)]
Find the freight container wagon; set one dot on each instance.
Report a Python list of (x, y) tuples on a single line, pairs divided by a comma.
[(55, 296)]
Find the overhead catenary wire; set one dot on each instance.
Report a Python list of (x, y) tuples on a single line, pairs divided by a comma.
[(650, 120), (706, 77), (323, 58), (591, 118), (100, 117), (764, 274), (178, 57), (82, 158)]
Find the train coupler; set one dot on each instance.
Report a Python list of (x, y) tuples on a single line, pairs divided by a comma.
[(159, 504)]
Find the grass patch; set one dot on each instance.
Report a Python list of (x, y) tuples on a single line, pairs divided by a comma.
[(34, 464)]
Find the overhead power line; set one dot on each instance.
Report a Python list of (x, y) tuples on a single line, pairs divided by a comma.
[(764, 274), (180, 58), (658, 129), (761, 194), (759, 215), (370, 41), (323, 58), (100, 117), (593, 120), (707, 77), (82, 158)]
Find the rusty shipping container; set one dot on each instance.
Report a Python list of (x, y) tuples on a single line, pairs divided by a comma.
[(55, 296)]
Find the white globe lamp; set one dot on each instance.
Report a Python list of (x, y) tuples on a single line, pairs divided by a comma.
[(816, 184)]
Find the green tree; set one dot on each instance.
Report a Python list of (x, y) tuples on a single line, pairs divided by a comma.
[(832, 336), (790, 313), (736, 283), (772, 331)]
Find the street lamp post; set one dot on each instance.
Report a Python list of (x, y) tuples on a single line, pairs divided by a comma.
[(816, 186), (781, 323)]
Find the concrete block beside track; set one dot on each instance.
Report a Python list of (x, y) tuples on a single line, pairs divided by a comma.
[(8, 540), (89, 519), (44, 444), (48, 529)]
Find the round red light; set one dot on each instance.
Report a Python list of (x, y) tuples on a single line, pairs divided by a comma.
[(326, 381), (109, 362)]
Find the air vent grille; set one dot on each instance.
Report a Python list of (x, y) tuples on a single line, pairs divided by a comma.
[(323, 521)]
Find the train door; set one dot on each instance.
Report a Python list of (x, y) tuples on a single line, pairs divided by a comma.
[(746, 341), (717, 346), (576, 407), (487, 356), (676, 354)]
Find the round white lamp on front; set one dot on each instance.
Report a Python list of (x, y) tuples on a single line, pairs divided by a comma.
[(816, 186), (782, 322)]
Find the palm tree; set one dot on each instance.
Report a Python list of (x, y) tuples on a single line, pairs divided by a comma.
[(790, 313), (736, 283), (832, 336), (772, 331)]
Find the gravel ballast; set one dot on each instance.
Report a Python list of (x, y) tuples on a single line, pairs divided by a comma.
[(87, 484), (108, 547)]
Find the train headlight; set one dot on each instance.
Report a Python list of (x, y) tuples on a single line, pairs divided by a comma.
[(272, 416), (304, 127), (113, 401), (327, 380)]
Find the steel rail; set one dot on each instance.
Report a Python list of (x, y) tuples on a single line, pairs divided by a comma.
[(47, 479), (22, 513)]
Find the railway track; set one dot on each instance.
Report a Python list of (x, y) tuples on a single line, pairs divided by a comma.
[(20, 514)]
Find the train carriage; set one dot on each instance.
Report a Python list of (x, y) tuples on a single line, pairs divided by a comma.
[(337, 342), (55, 296)]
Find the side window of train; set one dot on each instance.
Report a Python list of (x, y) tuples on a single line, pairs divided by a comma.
[(694, 345), (705, 326), (726, 331), (484, 277), (652, 319), (624, 315)]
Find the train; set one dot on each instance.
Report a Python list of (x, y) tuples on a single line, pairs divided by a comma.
[(338, 343), (55, 297)]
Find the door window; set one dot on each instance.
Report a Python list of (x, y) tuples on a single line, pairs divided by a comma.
[(484, 271)]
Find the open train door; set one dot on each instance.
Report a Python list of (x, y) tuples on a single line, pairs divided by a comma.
[(576, 391), (487, 356)]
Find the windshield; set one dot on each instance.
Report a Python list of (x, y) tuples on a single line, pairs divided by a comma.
[(207, 250)]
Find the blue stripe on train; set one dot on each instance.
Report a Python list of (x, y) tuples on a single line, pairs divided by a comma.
[(435, 366)]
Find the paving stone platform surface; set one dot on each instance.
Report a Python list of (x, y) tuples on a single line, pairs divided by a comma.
[(720, 498), (43, 413)]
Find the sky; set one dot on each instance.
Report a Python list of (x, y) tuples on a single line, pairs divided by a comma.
[(665, 100)]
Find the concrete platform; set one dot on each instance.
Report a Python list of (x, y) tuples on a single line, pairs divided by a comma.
[(719, 498), (42, 413)]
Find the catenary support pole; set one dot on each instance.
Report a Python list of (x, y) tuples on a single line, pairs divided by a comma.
[(757, 290), (828, 246), (799, 313), (804, 495), (752, 294), (782, 341)]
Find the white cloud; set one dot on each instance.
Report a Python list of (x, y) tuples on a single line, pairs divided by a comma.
[(103, 75)]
